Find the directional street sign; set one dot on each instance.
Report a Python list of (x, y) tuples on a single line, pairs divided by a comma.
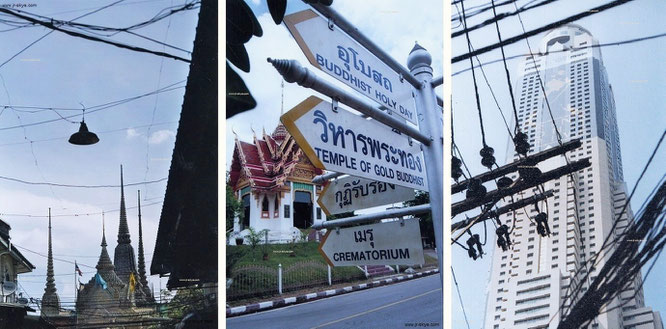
[(352, 193), (344, 142), (392, 243), (334, 52)]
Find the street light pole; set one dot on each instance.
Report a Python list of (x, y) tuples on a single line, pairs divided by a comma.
[(430, 124)]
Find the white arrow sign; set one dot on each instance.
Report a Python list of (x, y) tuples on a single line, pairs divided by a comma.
[(392, 243), (347, 143), (334, 52), (353, 193)]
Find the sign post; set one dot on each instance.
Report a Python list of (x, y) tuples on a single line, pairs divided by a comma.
[(337, 140), (431, 124), (354, 193), (396, 243), (332, 51)]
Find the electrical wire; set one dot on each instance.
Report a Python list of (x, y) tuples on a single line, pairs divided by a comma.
[(534, 32), (100, 107), (476, 88), (501, 16), (92, 38), (601, 45), (462, 306), (80, 186), (78, 214)]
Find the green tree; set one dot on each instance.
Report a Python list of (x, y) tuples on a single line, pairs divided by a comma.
[(234, 207), (425, 219)]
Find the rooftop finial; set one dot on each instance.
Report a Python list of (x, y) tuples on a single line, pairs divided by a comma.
[(282, 103)]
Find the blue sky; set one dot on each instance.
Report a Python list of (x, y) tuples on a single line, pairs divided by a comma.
[(66, 72), (636, 72)]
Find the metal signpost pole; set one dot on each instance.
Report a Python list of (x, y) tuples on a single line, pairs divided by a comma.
[(430, 124)]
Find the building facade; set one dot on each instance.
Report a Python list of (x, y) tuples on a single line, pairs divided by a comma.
[(272, 178), (537, 275)]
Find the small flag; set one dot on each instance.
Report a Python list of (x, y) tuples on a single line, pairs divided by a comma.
[(100, 281), (77, 269), (132, 282)]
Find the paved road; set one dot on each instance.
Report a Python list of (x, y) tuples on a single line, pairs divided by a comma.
[(411, 304)]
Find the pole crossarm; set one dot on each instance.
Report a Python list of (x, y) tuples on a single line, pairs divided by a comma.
[(502, 210), (325, 177), (469, 204), (530, 160), (361, 219), (292, 71), (355, 34)]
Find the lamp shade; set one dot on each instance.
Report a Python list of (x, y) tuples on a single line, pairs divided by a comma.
[(83, 136)]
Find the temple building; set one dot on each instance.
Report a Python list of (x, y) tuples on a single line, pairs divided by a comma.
[(105, 295), (272, 178), (119, 290)]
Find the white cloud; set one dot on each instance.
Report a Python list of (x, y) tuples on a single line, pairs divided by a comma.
[(132, 133), (161, 136)]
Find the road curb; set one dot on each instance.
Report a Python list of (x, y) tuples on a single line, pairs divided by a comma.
[(251, 308)]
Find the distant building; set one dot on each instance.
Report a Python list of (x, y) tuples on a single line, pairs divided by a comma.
[(272, 178), (12, 263), (531, 281)]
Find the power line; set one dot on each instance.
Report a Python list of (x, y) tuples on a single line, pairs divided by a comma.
[(91, 38), (601, 45), (79, 186), (45, 35), (79, 214), (97, 132), (501, 16), (460, 297), (476, 88), (540, 30), (101, 106)]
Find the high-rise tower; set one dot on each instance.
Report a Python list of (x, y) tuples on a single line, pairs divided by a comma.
[(531, 281), (123, 258)]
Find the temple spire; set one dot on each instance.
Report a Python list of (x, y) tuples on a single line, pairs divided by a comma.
[(123, 229), (142, 260), (147, 295), (50, 299), (104, 263), (123, 257)]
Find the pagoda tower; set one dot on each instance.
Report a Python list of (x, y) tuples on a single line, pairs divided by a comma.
[(123, 258), (143, 293), (50, 300)]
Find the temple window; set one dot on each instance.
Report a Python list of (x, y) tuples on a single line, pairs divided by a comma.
[(245, 223), (264, 208), (276, 211)]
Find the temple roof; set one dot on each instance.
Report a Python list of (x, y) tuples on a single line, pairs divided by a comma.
[(267, 161)]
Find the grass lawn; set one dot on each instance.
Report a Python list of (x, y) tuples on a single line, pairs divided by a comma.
[(285, 254)]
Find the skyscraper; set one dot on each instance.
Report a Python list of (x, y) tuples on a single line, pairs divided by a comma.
[(537, 276)]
